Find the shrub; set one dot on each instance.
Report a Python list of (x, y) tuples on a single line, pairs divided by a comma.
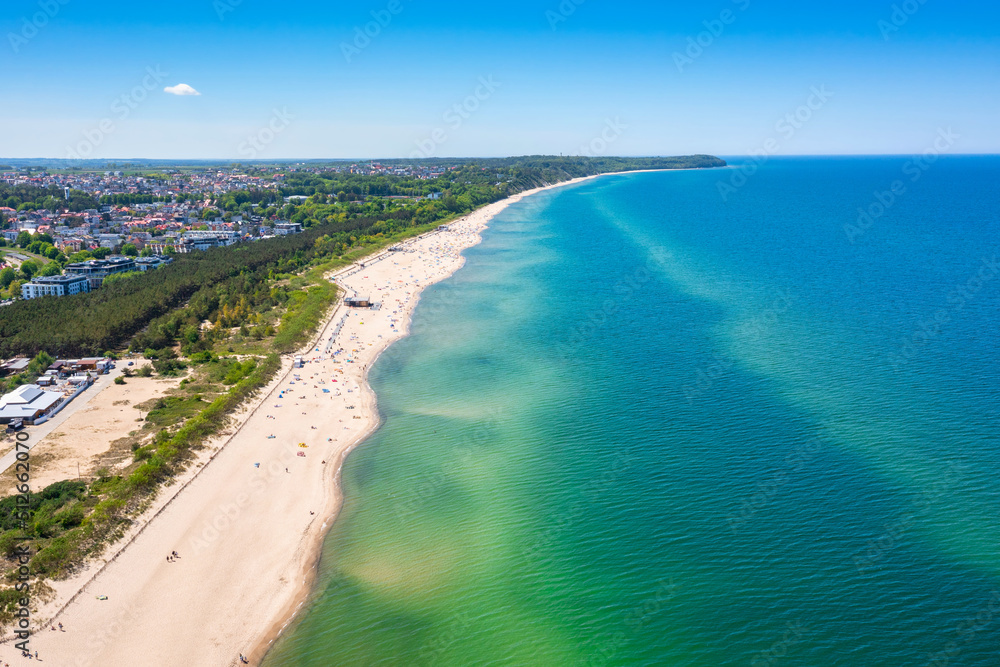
[(169, 366), (9, 541), (53, 558), (70, 518), (202, 357)]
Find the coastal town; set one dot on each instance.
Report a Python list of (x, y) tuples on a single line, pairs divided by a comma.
[(122, 222)]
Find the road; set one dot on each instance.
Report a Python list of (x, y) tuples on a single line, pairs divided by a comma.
[(38, 433), (20, 257)]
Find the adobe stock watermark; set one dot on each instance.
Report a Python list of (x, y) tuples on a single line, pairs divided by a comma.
[(786, 127), (431, 652), (929, 328), (223, 7), (714, 28), (562, 13), (363, 35), (613, 130), (255, 143), (569, 516), (753, 328), (878, 548), (482, 433), (886, 199), (901, 15), (227, 514), (31, 26), (106, 635), (623, 293), (766, 489), (455, 117), (966, 631), (122, 108), (775, 652), (610, 644)]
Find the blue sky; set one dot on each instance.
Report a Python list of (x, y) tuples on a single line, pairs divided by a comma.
[(565, 77)]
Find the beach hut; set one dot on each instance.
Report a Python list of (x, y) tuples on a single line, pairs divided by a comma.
[(358, 302)]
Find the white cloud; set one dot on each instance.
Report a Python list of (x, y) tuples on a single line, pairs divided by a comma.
[(181, 89)]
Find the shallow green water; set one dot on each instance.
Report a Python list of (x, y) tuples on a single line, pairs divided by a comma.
[(646, 426)]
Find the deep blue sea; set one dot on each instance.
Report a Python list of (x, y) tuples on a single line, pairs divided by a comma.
[(656, 421)]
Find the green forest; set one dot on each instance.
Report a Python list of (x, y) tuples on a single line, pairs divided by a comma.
[(108, 318), (35, 198)]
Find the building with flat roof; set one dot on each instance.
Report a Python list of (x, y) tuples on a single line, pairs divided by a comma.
[(150, 263), (286, 228), (27, 402), (96, 270), (203, 240), (55, 286)]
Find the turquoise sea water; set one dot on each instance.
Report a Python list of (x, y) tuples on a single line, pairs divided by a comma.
[(647, 425)]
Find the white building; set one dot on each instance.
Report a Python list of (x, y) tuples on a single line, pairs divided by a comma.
[(150, 263), (203, 240), (109, 240), (286, 228), (55, 286), (96, 270), (27, 402)]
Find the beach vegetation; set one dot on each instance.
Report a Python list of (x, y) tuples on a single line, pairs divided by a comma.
[(260, 300), (169, 367), (50, 499), (170, 410)]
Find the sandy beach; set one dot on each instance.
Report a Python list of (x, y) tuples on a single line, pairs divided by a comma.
[(248, 519)]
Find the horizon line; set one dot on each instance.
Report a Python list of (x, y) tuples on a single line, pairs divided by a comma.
[(482, 157)]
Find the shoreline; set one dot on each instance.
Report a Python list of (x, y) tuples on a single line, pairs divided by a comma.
[(214, 497), (268, 639)]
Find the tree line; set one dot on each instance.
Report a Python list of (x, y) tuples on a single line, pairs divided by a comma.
[(37, 198), (229, 286)]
